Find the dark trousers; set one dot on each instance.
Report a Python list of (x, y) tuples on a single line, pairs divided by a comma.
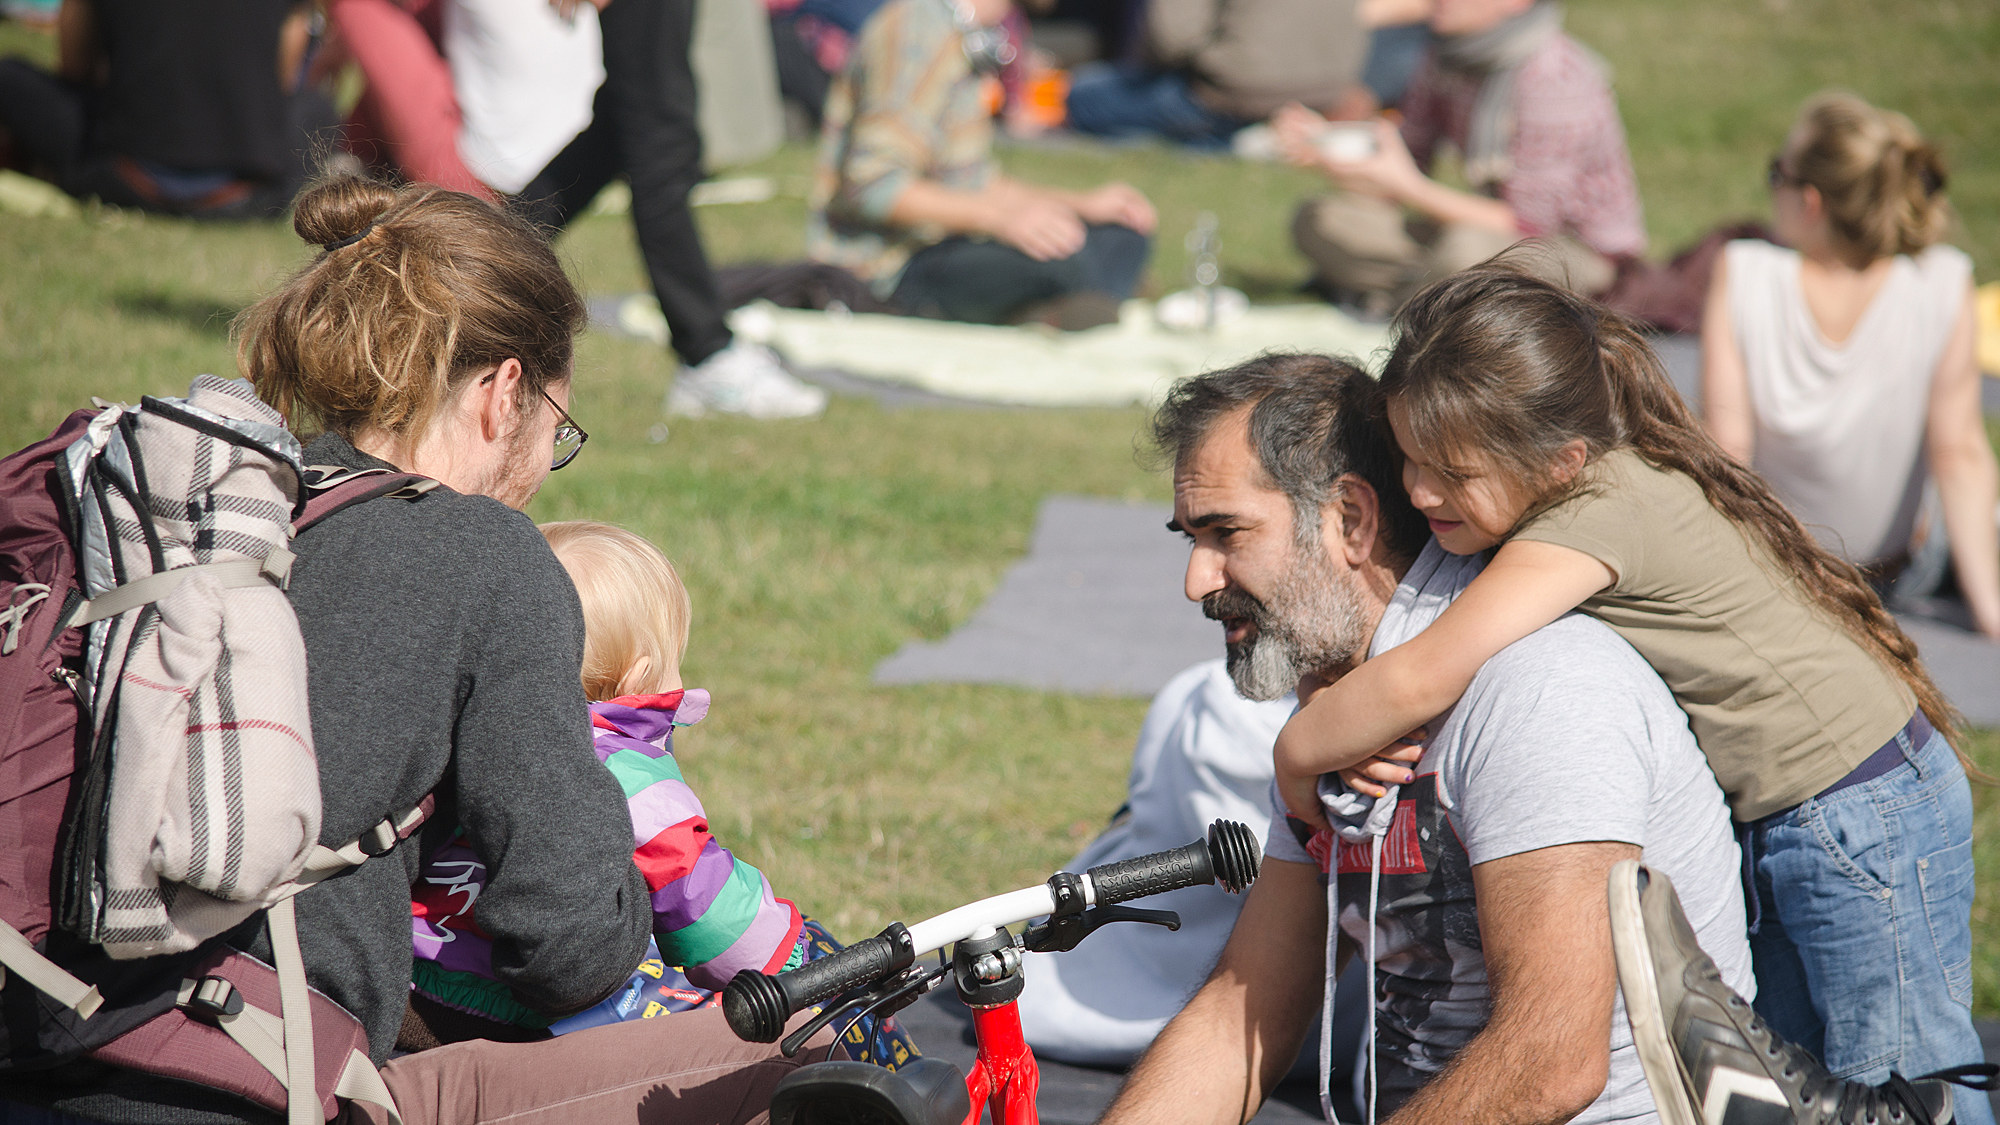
[(49, 123), (643, 126), (987, 283)]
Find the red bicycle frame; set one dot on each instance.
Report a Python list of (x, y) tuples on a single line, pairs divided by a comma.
[(1005, 1079)]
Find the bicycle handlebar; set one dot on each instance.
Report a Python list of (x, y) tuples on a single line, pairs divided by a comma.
[(757, 1005)]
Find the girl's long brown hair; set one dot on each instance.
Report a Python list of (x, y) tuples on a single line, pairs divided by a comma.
[(1492, 364)]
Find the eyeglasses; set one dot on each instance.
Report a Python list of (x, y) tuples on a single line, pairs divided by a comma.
[(1776, 177), (569, 436)]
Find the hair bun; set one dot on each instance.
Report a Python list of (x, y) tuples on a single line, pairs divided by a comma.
[(340, 209)]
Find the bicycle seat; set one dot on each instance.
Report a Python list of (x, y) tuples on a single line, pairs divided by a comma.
[(925, 1091)]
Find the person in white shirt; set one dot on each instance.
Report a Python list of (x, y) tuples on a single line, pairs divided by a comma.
[(1844, 369)]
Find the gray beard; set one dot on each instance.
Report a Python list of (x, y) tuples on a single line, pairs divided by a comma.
[(1313, 621)]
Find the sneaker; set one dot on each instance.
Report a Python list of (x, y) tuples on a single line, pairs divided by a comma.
[(743, 378), (1708, 1057)]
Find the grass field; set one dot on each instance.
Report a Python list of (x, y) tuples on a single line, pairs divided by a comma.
[(814, 549)]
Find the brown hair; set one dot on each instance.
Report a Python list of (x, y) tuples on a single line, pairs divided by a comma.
[(1494, 364), (1881, 181), (415, 289), (635, 609), (1313, 420)]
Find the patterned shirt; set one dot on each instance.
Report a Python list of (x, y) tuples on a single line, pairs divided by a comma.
[(1571, 174), (713, 915), (907, 108)]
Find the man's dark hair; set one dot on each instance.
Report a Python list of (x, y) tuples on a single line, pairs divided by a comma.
[(1313, 419)]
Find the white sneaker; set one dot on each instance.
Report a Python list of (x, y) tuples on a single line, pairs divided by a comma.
[(743, 378)]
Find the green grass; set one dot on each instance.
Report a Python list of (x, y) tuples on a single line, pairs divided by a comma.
[(815, 549)]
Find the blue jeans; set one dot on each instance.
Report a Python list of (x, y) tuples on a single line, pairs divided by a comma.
[(1128, 101), (1863, 953)]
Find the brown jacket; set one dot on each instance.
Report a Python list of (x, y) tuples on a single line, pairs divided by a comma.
[(1248, 57)]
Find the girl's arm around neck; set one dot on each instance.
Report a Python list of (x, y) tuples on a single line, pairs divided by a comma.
[(1526, 586)]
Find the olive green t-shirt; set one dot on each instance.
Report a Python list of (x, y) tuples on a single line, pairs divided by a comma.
[(1782, 699)]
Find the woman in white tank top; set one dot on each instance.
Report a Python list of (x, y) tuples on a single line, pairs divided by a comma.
[(1844, 369)]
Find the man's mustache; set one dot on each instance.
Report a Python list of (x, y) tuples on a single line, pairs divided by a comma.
[(1220, 605)]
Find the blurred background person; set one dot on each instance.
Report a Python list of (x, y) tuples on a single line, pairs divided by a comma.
[(1210, 68), (643, 127), (907, 195), (1842, 365), (472, 95), (197, 108), (1531, 111)]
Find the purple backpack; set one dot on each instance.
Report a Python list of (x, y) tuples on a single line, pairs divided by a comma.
[(69, 987)]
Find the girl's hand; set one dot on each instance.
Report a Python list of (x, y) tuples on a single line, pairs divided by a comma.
[(1390, 767), (1301, 797)]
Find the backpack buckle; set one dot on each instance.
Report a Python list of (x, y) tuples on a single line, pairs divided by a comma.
[(379, 839), (211, 995)]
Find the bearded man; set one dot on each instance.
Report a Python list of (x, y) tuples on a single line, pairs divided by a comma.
[(1495, 993)]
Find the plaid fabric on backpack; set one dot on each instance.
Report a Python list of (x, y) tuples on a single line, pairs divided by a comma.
[(157, 781)]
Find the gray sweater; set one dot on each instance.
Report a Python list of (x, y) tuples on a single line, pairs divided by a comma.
[(443, 642)]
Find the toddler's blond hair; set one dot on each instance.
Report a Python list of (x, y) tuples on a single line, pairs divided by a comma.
[(635, 609)]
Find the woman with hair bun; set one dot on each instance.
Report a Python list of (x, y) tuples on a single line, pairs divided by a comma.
[(433, 333), (1843, 368)]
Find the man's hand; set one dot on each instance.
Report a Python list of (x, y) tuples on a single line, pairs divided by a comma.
[(1118, 203), (1042, 229), (1236, 1038), (567, 8), (1545, 1053)]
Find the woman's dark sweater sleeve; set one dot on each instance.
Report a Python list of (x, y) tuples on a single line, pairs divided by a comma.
[(566, 908)]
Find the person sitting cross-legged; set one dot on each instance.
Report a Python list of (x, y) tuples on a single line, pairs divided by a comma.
[(1532, 112), (908, 197)]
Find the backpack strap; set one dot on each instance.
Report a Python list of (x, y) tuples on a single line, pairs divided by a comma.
[(281, 1043), (334, 488), (44, 975), (233, 574)]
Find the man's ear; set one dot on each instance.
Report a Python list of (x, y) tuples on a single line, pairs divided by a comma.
[(495, 399), (1570, 460), (1351, 521)]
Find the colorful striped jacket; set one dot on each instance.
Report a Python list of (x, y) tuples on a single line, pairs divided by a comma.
[(713, 915)]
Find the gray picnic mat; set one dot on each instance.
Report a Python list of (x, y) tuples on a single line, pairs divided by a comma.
[(1096, 607)]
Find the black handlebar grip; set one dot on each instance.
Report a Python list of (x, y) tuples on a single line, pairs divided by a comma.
[(1229, 856), (757, 1006)]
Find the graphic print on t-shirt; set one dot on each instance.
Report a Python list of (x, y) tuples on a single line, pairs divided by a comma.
[(1430, 976)]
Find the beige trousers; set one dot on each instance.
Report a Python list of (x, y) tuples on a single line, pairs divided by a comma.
[(684, 1069), (1365, 245)]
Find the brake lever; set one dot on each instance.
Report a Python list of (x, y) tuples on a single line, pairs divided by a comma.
[(888, 997), (1062, 933)]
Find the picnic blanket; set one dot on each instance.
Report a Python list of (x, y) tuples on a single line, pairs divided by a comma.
[(1133, 361)]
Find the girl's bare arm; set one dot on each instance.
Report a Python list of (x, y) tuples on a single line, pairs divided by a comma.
[(1527, 585)]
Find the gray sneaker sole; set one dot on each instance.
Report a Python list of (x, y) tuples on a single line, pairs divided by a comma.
[(1652, 1031)]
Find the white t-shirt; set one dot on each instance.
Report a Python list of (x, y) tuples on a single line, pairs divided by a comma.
[(1840, 429), (525, 79), (1565, 737), (1203, 754)]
